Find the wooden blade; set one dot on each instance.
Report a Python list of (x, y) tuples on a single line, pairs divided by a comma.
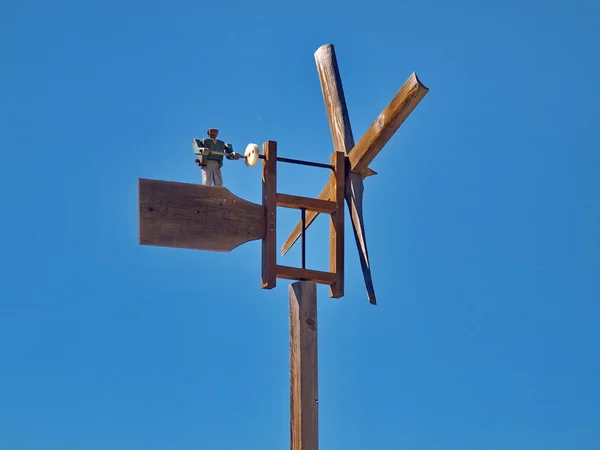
[(194, 216), (341, 134), (354, 200), (388, 122)]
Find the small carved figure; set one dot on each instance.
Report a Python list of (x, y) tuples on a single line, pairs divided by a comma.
[(209, 156)]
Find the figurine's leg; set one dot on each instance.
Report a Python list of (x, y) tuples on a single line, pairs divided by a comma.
[(218, 177), (210, 173), (206, 175)]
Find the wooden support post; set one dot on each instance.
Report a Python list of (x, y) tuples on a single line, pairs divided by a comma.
[(269, 198), (336, 239), (304, 398)]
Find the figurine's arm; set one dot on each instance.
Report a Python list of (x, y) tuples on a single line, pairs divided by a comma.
[(228, 150)]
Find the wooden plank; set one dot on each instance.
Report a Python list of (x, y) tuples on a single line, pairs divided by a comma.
[(310, 204), (269, 198), (336, 238), (295, 273), (335, 100), (388, 122), (193, 216), (304, 369), (343, 141)]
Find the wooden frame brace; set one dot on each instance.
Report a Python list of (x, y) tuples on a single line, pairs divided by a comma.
[(333, 206)]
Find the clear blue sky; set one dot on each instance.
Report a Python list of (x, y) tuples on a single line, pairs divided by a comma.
[(483, 226)]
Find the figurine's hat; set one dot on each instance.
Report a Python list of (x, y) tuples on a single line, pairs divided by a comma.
[(212, 129)]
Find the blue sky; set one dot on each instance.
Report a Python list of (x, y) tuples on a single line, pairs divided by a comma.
[(483, 226)]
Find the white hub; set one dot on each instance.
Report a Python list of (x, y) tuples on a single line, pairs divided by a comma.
[(251, 155)]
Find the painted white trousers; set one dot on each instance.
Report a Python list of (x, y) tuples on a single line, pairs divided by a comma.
[(211, 173)]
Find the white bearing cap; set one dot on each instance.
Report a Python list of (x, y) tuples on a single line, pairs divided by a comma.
[(251, 155)]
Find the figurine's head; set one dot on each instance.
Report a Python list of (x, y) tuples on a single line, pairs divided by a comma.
[(212, 133)]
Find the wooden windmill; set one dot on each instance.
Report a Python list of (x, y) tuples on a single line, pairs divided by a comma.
[(191, 216)]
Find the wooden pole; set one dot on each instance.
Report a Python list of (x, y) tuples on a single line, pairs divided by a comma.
[(304, 418)]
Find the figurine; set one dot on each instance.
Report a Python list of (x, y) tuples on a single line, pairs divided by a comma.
[(210, 152)]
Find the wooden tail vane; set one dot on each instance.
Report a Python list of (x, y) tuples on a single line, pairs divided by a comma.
[(193, 216)]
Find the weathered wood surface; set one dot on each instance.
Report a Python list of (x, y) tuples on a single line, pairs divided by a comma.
[(304, 370), (336, 225), (310, 204), (361, 154), (269, 199), (193, 216)]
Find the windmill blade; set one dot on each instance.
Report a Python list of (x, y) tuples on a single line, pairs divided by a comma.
[(341, 133), (354, 200), (343, 140), (387, 123)]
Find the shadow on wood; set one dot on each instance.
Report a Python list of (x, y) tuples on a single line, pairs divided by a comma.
[(193, 216)]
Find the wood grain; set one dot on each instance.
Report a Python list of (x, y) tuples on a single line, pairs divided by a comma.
[(193, 216), (310, 204), (269, 199), (304, 369), (336, 238)]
